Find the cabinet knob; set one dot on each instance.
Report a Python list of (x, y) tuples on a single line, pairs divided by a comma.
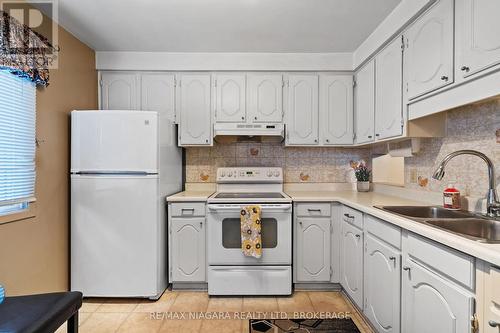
[(206, 140), (392, 258), (465, 69), (327, 140), (255, 118), (242, 118), (369, 136), (358, 236), (493, 323), (377, 134), (348, 216), (316, 140), (201, 224), (406, 268), (300, 222), (444, 78)]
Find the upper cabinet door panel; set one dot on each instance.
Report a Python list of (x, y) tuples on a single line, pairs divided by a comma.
[(478, 35), (265, 97), (336, 111), (388, 91), (119, 91), (195, 109), (365, 103), (302, 113), (158, 94), (429, 52), (230, 98)]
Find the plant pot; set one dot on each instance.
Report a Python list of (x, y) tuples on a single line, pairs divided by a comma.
[(363, 186)]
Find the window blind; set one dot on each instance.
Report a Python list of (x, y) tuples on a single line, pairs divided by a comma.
[(17, 142)]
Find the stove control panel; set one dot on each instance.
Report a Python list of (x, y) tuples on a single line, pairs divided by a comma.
[(250, 175)]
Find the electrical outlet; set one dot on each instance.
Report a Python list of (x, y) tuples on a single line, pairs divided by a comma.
[(413, 176)]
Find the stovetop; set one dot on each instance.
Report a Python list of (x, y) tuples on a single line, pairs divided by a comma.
[(249, 195)]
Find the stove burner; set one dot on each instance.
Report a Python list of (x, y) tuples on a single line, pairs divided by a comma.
[(240, 195)]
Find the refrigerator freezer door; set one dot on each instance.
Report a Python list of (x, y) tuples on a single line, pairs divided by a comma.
[(116, 236), (114, 141)]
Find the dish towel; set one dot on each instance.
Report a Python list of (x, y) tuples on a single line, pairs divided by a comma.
[(251, 241)]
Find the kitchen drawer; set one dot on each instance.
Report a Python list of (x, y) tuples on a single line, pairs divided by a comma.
[(352, 216), (387, 232), (187, 209), (455, 265), (314, 209)]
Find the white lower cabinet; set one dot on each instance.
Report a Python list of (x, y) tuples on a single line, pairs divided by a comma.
[(491, 303), (313, 249), (352, 262), (431, 303), (188, 249), (382, 283)]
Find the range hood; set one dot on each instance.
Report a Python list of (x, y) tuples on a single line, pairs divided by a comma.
[(262, 130)]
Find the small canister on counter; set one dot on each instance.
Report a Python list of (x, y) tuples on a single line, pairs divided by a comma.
[(451, 197)]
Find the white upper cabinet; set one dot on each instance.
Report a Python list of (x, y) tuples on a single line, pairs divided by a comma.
[(158, 94), (302, 110), (194, 109), (313, 249), (336, 109), (478, 35), (230, 105), (119, 91), (429, 50), (265, 97), (382, 285), (364, 93), (388, 91)]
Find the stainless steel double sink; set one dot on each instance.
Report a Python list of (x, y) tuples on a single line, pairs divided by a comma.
[(469, 225)]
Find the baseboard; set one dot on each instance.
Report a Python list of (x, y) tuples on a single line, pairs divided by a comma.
[(317, 286), (198, 286)]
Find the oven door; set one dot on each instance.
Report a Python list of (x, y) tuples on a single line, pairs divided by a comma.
[(224, 235)]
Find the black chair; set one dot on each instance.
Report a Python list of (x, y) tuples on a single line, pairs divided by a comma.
[(40, 313)]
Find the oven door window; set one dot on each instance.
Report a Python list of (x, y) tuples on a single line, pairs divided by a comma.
[(231, 233)]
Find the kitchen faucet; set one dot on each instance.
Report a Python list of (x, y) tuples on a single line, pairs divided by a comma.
[(493, 205)]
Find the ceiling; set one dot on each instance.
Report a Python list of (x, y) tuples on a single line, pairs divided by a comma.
[(223, 25)]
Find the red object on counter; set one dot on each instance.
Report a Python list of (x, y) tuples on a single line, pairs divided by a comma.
[(451, 198)]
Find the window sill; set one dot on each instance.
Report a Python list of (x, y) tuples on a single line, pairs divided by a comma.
[(19, 216)]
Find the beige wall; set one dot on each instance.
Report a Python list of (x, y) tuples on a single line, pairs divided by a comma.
[(34, 252)]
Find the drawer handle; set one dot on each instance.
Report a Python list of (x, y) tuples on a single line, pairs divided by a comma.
[(406, 268), (190, 210), (314, 210), (358, 236), (348, 216), (444, 78), (493, 323)]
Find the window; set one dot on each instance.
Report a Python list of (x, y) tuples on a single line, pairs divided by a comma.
[(17, 143)]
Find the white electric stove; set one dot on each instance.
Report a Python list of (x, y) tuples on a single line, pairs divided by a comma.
[(229, 271)]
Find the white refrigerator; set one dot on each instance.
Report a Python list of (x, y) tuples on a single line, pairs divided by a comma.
[(123, 165)]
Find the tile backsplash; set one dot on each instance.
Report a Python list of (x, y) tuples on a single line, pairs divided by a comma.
[(474, 126), (313, 165)]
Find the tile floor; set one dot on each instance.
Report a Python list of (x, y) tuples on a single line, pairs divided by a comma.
[(134, 315)]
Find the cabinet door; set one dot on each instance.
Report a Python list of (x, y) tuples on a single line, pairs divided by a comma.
[(365, 103), (336, 112), (433, 304), (230, 98), (195, 116), (478, 35), (352, 262), (265, 97), (188, 250), (119, 91), (388, 91), (302, 110), (313, 249), (429, 50), (158, 94), (491, 296), (382, 285)]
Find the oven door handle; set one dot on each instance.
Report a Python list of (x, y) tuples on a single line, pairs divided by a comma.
[(264, 207)]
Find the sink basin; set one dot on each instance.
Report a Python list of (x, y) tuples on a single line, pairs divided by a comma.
[(427, 212), (482, 230)]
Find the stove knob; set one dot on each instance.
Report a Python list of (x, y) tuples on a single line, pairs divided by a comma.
[(276, 173), (222, 173), (230, 174), (269, 173)]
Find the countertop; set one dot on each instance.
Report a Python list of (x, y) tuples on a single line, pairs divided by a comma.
[(365, 202), (190, 196)]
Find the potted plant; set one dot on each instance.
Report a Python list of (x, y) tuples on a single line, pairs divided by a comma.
[(362, 174)]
